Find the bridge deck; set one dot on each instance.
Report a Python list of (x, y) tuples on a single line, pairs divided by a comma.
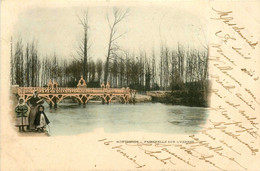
[(22, 90), (55, 95)]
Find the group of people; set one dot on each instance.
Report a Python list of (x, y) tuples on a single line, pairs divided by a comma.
[(31, 116)]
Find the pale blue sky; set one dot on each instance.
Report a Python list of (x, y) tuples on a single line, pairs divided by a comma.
[(58, 29)]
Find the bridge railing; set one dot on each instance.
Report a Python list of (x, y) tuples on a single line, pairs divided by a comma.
[(66, 90)]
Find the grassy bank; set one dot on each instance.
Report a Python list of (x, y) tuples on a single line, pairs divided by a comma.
[(191, 94), (182, 98)]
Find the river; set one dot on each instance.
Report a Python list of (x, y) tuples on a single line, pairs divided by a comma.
[(72, 119)]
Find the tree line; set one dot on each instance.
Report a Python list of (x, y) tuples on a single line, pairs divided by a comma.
[(174, 68)]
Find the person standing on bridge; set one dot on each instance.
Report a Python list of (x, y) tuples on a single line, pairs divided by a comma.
[(22, 110), (34, 102)]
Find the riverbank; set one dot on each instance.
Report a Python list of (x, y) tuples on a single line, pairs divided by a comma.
[(186, 98), (34, 134), (140, 98)]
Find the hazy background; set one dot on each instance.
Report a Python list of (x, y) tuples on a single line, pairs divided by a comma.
[(57, 30)]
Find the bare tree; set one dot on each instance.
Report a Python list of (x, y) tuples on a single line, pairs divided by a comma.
[(147, 74), (99, 66), (121, 71), (161, 68), (92, 71), (34, 64), (114, 73), (127, 69), (153, 77), (166, 68), (12, 63), (18, 63), (84, 46), (118, 16), (27, 57)]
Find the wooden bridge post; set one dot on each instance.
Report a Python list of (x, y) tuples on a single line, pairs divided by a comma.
[(122, 100), (108, 99), (84, 101), (50, 105), (55, 105), (104, 99)]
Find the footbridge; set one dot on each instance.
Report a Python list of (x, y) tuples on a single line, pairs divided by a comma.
[(53, 94)]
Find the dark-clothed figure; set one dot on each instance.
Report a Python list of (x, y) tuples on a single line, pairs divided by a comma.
[(34, 102), (22, 110), (41, 119)]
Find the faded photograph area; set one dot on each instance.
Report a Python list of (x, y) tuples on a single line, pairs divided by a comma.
[(122, 68)]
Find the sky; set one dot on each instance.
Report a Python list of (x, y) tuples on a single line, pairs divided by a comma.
[(57, 30)]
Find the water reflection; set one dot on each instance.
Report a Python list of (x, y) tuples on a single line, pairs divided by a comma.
[(71, 119)]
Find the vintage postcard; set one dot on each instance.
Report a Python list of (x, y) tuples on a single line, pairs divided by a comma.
[(130, 85)]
